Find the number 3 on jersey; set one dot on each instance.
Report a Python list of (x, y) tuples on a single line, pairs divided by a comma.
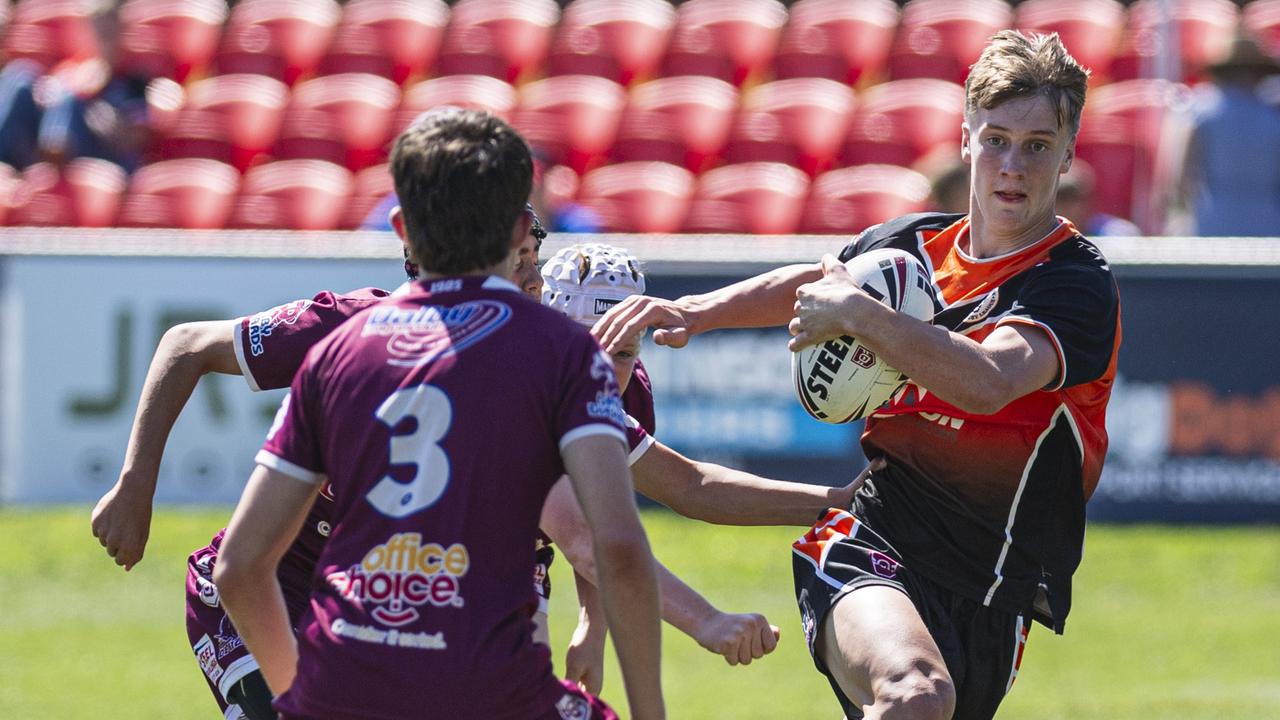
[(420, 448)]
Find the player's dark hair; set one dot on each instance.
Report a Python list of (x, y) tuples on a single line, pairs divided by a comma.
[(463, 178), (1014, 65)]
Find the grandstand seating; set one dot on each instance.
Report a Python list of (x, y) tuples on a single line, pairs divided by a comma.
[(571, 119), (293, 194), (732, 40), (86, 193), (1262, 19), (176, 39), (347, 119), (10, 181), (683, 120), (1091, 29), (232, 118), (900, 121), (396, 39), (507, 39), (801, 121), (191, 193), (47, 31), (369, 187), (759, 197), (838, 40), (850, 200), (649, 197), (284, 39), (468, 91), (623, 40), (1204, 29), (942, 38)]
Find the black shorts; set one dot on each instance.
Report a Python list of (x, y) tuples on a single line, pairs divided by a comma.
[(982, 646)]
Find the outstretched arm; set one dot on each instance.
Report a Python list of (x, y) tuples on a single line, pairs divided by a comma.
[(762, 301), (738, 637), (717, 494), (584, 660), (122, 518)]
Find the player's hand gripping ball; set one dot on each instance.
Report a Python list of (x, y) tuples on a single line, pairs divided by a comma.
[(842, 380)]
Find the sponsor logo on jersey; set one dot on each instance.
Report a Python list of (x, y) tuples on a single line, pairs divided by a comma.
[(573, 707), (808, 621), (883, 565), (262, 324), (207, 656), (607, 404), (421, 334), (984, 308), (392, 637), (205, 588), (402, 574)]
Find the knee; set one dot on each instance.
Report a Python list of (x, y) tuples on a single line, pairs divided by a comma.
[(925, 694)]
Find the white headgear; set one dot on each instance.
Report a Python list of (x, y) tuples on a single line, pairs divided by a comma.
[(584, 281)]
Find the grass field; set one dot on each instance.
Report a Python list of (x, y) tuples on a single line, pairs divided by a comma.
[(1168, 623)]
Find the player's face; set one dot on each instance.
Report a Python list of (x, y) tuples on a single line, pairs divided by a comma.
[(526, 275), (1016, 152), (624, 362)]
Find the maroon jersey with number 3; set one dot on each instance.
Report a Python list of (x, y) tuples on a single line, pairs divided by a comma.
[(438, 419)]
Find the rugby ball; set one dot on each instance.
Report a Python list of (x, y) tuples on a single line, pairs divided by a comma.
[(842, 380)]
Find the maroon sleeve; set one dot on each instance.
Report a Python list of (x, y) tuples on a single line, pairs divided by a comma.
[(270, 345), (590, 404), (292, 446), (638, 399)]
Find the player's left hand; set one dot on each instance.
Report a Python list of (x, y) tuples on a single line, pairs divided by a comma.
[(843, 498), (825, 308), (584, 660), (739, 637)]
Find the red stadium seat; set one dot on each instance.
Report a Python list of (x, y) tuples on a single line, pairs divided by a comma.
[(1204, 31), (86, 193), (646, 197), (683, 120), (571, 119), (284, 39), (47, 31), (371, 186), (1120, 136), (507, 39), (231, 118), (347, 119), (10, 181), (853, 199), (899, 122), (1091, 29), (293, 194), (170, 38), (1262, 20), (479, 92), (191, 193), (622, 40), (942, 38), (732, 40), (759, 197), (838, 40), (801, 121), (397, 39)]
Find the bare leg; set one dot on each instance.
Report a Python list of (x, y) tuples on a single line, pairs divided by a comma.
[(881, 655)]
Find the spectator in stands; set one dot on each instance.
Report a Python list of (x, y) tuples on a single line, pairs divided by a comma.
[(1075, 203), (78, 108), (1231, 166)]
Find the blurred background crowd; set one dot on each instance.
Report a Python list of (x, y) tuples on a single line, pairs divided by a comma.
[(735, 116)]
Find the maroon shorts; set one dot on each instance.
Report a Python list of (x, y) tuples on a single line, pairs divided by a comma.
[(574, 704)]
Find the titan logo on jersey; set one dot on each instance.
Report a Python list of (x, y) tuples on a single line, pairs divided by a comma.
[(572, 707), (418, 335), (398, 576), (261, 325)]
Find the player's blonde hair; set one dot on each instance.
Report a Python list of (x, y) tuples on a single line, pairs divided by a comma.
[(1014, 65)]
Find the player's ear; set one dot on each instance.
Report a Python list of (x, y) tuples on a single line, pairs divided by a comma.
[(964, 141), (396, 218), (521, 230), (1071, 155)]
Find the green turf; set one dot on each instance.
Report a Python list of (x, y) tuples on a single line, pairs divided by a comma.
[(1168, 623)]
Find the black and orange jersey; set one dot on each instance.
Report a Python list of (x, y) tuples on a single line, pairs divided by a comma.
[(993, 505)]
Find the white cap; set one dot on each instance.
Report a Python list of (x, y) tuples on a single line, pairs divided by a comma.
[(584, 281)]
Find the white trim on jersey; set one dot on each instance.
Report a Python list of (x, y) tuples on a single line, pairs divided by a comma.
[(1022, 484), (233, 713), (493, 282), (1053, 337), (235, 672), (272, 461), (644, 445), (927, 260), (997, 258), (592, 429), (819, 564), (1017, 648), (237, 342)]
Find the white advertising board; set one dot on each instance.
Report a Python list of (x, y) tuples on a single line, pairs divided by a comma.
[(76, 337)]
